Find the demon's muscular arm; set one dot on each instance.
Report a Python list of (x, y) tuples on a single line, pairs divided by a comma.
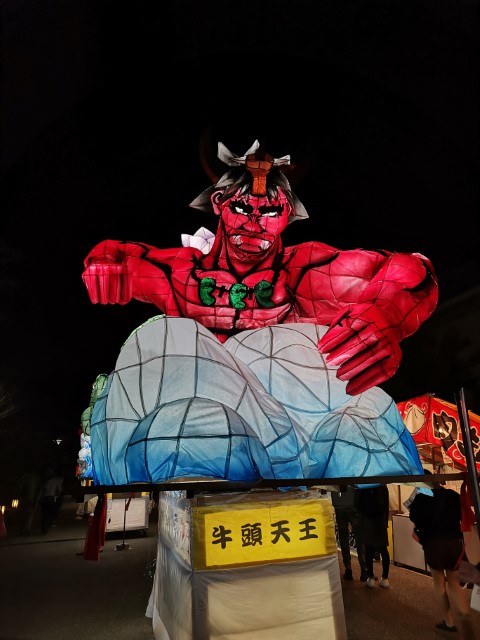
[(115, 272), (376, 300)]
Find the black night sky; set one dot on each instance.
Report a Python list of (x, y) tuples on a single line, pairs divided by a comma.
[(104, 106)]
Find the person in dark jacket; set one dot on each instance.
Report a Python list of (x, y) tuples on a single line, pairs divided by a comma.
[(30, 495), (437, 527), (347, 519), (372, 503), (51, 497)]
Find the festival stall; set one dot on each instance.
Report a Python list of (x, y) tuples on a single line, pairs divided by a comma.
[(127, 512), (435, 427)]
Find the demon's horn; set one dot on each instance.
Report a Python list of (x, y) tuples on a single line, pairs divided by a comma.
[(259, 168)]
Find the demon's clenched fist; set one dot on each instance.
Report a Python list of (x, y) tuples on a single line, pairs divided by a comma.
[(370, 300)]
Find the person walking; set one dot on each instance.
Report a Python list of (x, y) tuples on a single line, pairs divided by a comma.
[(437, 527), (372, 503), (347, 520)]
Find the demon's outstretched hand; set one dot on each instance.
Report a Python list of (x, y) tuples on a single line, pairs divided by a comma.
[(371, 300)]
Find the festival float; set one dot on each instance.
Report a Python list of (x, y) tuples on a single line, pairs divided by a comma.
[(262, 365)]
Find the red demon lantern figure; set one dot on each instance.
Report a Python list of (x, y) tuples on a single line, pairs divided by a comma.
[(370, 300)]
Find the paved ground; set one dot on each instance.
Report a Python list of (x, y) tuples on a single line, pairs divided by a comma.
[(50, 592)]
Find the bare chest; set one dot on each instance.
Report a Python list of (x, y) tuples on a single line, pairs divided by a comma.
[(225, 303)]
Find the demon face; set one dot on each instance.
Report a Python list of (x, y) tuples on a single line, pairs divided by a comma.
[(252, 224)]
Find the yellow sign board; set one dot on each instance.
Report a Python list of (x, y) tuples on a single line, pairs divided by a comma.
[(251, 533)]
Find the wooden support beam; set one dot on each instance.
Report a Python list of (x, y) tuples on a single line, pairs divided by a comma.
[(220, 486)]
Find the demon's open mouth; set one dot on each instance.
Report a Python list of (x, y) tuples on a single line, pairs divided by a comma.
[(250, 244)]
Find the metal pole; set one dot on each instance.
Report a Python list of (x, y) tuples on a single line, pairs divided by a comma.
[(124, 545), (469, 454)]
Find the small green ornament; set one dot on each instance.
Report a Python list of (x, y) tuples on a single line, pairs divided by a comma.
[(237, 295), (205, 290), (263, 291)]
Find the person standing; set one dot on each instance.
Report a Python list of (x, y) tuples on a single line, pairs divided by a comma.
[(347, 519), (30, 493), (52, 492), (372, 504), (437, 527)]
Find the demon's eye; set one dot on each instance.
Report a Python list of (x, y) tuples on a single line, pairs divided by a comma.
[(242, 208), (239, 209), (271, 214), (271, 211)]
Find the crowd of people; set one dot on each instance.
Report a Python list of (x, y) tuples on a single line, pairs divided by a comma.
[(438, 524)]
